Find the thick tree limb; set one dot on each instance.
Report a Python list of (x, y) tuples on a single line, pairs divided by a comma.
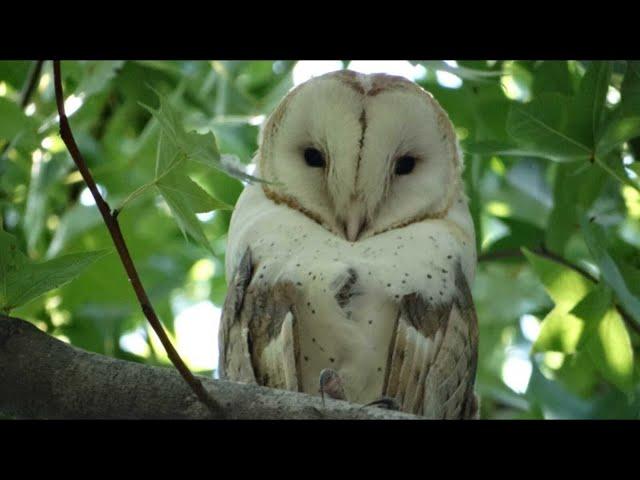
[(42, 377)]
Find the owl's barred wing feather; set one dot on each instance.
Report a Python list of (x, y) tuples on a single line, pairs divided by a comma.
[(433, 356), (259, 332), (235, 356), (268, 312)]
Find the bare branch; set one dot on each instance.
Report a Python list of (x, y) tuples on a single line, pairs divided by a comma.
[(30, 84), (113, 226), (42, 377)]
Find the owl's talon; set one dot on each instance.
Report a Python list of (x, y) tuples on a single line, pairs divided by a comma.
[(331, 384), (384, 402)]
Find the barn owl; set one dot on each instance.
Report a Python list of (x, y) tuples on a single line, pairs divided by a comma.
[(356, 253)]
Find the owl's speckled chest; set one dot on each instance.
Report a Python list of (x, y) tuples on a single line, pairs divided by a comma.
[(348, 293)]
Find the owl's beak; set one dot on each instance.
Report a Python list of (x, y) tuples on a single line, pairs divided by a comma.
[(354, 224)]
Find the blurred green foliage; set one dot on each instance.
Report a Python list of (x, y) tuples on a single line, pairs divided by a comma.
[(552, 154)]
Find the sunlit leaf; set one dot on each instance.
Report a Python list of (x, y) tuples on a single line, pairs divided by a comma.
[(565, 286), (591, 309), (606, 338), (611, 350), (561, 330)]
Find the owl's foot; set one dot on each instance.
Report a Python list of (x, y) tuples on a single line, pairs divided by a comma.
[(384, 402), (331, 384)]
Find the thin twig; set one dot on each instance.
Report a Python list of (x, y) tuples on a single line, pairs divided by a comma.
[(118, 240), (544, 252), (27, 91), (30, 84)]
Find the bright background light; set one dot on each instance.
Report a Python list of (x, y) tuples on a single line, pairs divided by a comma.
[(86, 198), (516, 370), (307, 69), (401, 68), (448, 79), (197, 335)]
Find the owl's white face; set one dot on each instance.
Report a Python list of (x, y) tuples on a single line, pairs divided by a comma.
[(361, 154)]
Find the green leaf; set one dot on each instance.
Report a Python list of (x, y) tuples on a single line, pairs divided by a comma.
[(576, 186), (596, 241), (22, 281), (591, 309), (97, 74), (9, 259), (45, 175), (542, 125), (557, 401), (167, 155), (610, 348), (196, 197), (618, 129), (563, 218), (182, 208), (491, 147), (588, 106), (12, 119), (630, 89), (75, 221), (565, 286), (198, 148), (561, 331), (521, 234), (552, 76), (14, 72), (606, 338), (624, 122)]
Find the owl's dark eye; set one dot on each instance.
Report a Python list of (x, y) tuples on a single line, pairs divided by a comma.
[(405, 165), (313, 157)]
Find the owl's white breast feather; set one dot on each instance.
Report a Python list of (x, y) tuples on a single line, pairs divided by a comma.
[(352, 338)]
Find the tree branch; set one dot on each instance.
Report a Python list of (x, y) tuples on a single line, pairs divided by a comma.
[(27, 91), (110, 220), (30, 84), (544, 252), (42, 377)]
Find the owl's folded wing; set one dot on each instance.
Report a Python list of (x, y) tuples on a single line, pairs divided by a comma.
[(258, 334), (433, 355)]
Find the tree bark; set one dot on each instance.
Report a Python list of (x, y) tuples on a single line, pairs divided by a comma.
[(42, 377)]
